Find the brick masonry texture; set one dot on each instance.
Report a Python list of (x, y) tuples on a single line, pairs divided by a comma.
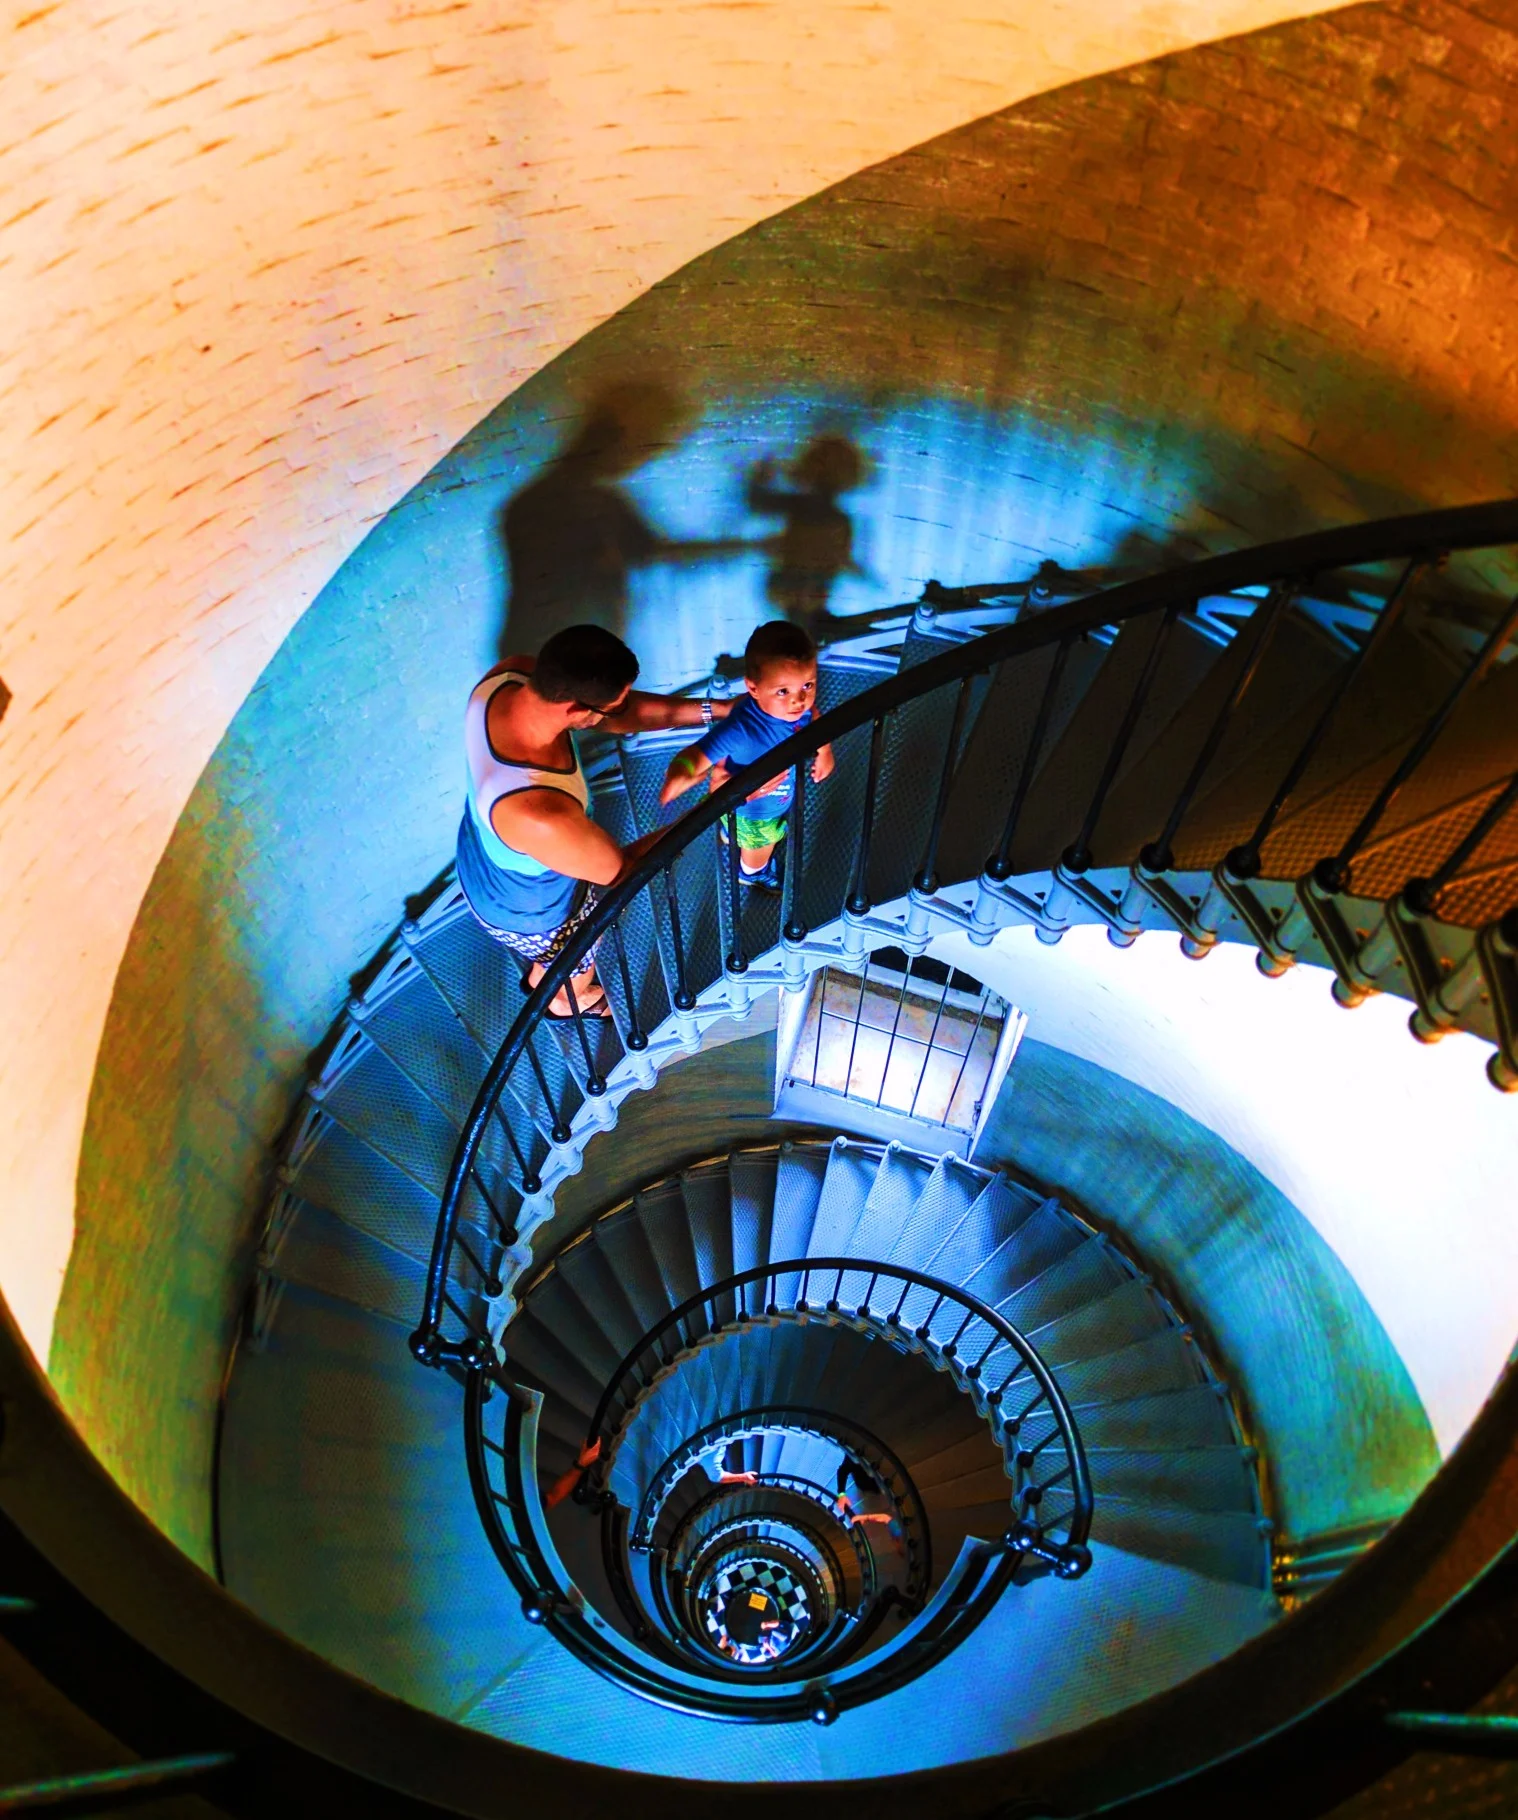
[(1229, 294), (261, 268)]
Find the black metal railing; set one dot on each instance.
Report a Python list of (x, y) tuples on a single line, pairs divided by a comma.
[(684, 1539), (898, 1058), (503, 1475), (862, 1448), (653, 882), (985, 1355), (651, 1586)]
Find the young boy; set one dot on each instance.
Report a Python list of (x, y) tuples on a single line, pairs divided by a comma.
[(780, 674)]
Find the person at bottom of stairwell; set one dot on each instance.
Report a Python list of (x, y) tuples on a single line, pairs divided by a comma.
[(531, 861), (780, 675), (855, 1487)]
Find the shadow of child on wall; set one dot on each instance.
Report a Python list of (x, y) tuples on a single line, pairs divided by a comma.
[(572, 534), (815, 544)]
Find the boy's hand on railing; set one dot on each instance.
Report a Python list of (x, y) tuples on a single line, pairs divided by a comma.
[(822, 764)]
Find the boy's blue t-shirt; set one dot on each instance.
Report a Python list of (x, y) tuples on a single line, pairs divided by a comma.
[(747, 734)]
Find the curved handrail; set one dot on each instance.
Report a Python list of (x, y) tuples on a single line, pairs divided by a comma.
[(969, 1592), (798, 1487), (1420, 537), (787, 1285), (863, 1447), (845, 1635), (730, 1542)]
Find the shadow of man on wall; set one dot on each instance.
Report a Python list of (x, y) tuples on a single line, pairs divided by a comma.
[(572, 534)]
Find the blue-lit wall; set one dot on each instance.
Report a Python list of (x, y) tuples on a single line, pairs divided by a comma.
[(1061, 332)]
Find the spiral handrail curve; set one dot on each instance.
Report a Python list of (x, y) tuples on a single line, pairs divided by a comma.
[(1418, 538), (514, 1525), (788, 1285), (808, 1489)]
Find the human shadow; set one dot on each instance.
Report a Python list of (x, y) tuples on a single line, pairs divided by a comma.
[(573, 536), (815, 544)]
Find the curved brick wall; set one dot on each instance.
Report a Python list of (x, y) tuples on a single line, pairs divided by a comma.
[(1234, 293), (260, 273)]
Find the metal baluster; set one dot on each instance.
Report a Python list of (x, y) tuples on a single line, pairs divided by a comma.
[(468, 1322), (1000, 864), (1042, 1397), (864, 981), (951, 1349), (595, 1081), (636, 1038), (901, 1003), (1077, 856), (964, 1060), (791, 925), (558, 1129), (685, 999), (922, 1073), (1420, 893), (736, 960), (1157, 856), (489, 1280), (1244, 862), (926, 880), (858, 901), (503, 1226), (1333, 874), (531, 1180)]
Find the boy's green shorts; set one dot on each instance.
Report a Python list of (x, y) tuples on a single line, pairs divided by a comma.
[(752, 835)]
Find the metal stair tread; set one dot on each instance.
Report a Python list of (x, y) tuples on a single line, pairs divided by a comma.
[(898, 1187), (384, 1108), (323, 1252), (1042, 1239), (427, 1040), (1196, 1478), (352, 1180), (846, 1188), (1126, 1315), (1086, 1273), (1222, 1545), (1166, 1361), (947, 1196), (991, 1221), (751, 1182)]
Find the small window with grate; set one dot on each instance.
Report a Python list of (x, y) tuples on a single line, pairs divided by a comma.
[(910, 1039)]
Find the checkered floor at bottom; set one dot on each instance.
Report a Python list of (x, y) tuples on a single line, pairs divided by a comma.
[(778, 1583)]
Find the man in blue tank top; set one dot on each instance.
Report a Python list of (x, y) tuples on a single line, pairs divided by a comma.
[(531, 861)]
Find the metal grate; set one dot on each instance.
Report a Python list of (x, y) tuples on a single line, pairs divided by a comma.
[(912, 1036)]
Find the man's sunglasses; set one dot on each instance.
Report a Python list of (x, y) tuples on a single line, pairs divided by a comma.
[(612, 707)]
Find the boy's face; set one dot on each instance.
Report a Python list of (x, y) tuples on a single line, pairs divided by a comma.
[(786, 687)]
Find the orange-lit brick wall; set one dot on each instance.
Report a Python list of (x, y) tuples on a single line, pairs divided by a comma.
[(260, 268), (1251, 288)]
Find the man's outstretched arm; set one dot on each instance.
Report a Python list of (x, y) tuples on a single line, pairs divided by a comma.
[(644, 713)]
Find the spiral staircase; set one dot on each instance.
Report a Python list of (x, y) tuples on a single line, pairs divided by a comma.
[(961, 1424)]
